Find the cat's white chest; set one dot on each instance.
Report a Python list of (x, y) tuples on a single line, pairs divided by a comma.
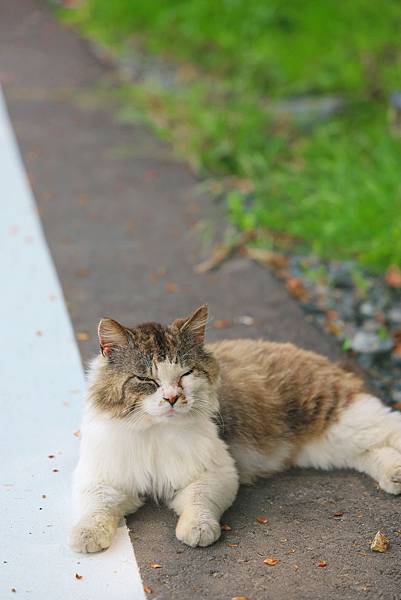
[(153, 462)]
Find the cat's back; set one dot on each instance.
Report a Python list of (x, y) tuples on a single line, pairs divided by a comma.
[(274, 389)]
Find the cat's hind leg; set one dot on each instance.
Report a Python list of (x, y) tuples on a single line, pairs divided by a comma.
[(366, 437)]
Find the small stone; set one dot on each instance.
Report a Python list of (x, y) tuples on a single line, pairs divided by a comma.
[(341, 275), (394, 315), (367, 342), (371, 325), (396, 359), (396, 393), (367, 309)]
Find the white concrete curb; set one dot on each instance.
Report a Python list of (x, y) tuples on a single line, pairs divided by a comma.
[(42, 384)]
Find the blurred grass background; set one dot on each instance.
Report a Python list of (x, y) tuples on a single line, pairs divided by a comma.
[(287, 100)]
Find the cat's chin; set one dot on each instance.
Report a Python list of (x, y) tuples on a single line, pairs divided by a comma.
[(170, 415)]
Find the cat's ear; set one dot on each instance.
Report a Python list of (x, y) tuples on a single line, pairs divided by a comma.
[(111, 335), (195, 324)]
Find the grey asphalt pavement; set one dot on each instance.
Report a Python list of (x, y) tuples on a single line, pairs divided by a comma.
[(119, 212)]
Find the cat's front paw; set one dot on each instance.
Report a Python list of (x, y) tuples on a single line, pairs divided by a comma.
[(87, 537), (197, 532)]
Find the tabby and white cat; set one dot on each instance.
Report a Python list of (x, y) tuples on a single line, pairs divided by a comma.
[(170, 418)]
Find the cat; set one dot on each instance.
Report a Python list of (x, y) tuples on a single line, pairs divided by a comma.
[(171, 418)]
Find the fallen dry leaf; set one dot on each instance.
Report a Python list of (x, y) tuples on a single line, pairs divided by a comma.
[(241, 598), (322, 564), (262, 520), (151, 176), (77, 433), (380, 543), (221, 252), (232, 545), (154, 565), (221, 323), (78, 576), (147, 589), (296, 288), (393, 277), (271, 561), (226, 527), (268, 258), (338, 514), (83, 272), (171, 287), (83, 336)]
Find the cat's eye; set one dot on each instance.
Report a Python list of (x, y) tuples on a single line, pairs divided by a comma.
[(147, 380), (187, 373)]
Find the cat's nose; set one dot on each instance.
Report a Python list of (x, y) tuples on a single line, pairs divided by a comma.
[(171, 398)]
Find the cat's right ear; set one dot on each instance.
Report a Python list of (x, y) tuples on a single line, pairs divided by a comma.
[(111, 335)]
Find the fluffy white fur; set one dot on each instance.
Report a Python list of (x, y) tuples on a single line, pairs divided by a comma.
[(180, 461), (367, 438)]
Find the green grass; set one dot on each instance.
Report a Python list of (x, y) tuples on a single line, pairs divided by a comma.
[(335, 184)]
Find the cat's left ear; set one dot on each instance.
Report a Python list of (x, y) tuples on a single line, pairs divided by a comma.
[(111, 335), (195, 324)]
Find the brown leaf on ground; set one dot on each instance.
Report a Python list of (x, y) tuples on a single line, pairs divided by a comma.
[(221, 252), (171, 287), (380, 543), (232, 545), (226, 527), (221, 323), (268, 258), (271, 561), (129, 225), (78, 576), (83, 336), (77, 433), (262, 520), (296, 288), (338, 514), (154, 565), (147, 589), (393, 277), (322, 564), (150, 176), (82, 272), (241, 598)]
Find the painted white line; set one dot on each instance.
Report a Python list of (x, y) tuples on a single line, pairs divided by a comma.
[(42, 385)]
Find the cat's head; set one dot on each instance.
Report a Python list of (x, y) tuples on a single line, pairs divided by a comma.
[(152, 372)]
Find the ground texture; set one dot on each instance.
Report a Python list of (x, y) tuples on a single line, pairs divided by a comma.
[(119, 213)]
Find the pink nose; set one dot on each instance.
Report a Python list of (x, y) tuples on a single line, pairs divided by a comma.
[(171, 398)]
